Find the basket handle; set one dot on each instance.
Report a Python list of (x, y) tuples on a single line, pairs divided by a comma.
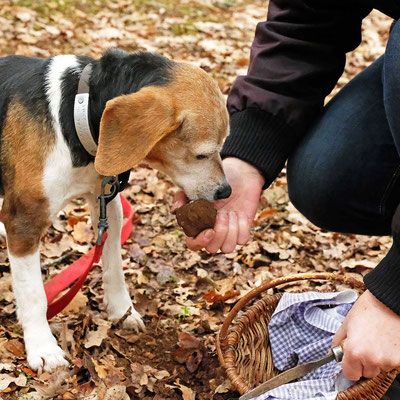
[(354, 283)]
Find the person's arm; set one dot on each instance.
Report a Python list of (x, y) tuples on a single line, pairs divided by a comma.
[(297, 56), (371, 330)]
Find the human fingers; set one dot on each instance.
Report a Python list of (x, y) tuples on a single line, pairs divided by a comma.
[(352, 366), (221, 228), (371, 358), (201, 241), (230, 241), (375, 359), (211, 239), (244, 228), (371, 369), (340, 336)]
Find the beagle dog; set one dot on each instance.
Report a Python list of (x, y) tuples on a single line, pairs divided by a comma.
[(143, 107)]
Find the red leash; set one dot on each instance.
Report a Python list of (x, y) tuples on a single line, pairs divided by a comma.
[(77, 272)]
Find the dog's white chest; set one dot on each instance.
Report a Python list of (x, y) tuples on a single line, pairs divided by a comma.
[(62, 182)]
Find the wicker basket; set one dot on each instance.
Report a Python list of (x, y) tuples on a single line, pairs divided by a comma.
[(244, 349)]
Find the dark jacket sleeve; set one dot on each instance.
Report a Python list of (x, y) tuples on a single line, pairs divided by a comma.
[(296, 58), (384, 280)]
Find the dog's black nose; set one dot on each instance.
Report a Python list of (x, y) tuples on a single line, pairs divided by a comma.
[(223, 192)]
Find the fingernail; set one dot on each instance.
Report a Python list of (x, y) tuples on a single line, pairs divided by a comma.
[(208, 235)]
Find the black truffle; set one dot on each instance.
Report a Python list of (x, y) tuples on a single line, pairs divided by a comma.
[(197, 216)]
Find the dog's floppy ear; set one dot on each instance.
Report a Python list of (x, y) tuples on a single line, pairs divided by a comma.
[(131, 125)]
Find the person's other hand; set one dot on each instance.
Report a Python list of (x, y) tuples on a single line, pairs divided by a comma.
[(371, 334), (235, 214)]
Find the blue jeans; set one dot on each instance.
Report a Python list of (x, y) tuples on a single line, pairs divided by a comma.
[(345, 174)]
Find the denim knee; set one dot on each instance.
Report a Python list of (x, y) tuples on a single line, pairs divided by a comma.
[(341, 174), (319, 194), (312, 194)]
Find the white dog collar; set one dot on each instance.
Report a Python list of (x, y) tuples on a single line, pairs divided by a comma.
[(81, 112)]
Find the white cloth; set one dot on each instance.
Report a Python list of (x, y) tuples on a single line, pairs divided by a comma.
[(301, 330)]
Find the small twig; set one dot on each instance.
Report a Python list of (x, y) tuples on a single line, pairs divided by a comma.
[(59, 259), (118, 324)]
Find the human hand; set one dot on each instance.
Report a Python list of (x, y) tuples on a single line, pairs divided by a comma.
[(235, 214), (371, 335)]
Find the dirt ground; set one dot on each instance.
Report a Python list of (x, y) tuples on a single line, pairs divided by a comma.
[(182, 295)]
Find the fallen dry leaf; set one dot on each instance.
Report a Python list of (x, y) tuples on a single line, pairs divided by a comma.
[(78, 302), (96, 337), (16, 347), (146, 306), (187, 393), (82, 232), (265, 214), (189, 352), (5, 380), (213, 297)]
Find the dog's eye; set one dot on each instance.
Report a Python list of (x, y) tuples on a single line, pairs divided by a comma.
[(201, 157)]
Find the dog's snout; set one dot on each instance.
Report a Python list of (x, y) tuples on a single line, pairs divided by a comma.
[(223, 192)]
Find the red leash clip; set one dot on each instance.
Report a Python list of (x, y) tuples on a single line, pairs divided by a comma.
[(76, 273)]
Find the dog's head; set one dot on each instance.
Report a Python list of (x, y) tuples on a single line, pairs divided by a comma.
[(177, 128)]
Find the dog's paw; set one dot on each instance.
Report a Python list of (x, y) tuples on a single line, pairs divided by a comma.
[(118, 315), (134, 322), (46, 356)]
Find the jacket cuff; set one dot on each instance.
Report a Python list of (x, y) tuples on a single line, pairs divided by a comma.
[(261, 139), (384, 280)]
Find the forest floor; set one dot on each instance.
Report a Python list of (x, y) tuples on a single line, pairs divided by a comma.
[(183, 296)]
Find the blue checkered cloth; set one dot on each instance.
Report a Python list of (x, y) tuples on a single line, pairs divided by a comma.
[(301, 330)]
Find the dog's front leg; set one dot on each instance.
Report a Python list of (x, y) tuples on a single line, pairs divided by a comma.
[(116, 294), (41, 346)]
